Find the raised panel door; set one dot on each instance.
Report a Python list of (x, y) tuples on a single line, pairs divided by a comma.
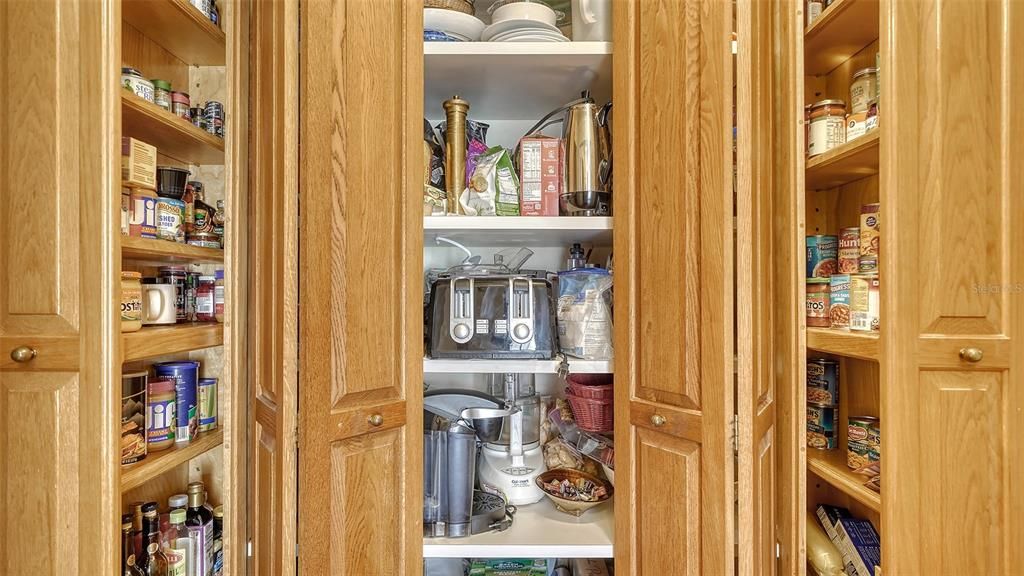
[(952, 212)]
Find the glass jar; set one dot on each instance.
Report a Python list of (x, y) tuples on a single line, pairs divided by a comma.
[(205, 300), (131, 301), (132, 79), (863, 90), (828, 126), (218, 295), (160, 414), (177, 275), (162, 93), (180, 105)]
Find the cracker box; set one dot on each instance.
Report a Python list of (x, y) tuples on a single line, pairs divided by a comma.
[(138, 164)]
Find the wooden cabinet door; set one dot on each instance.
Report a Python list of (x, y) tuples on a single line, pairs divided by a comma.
[(673, 287), (952, 311), (361, 339), (273, 83), (952, 257), (58, 288)]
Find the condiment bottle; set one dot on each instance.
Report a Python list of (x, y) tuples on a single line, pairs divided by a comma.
[(131, 301), (178, 546), (199, 522), (137, 535), (218, 541), (205, 300), (155, 562), (218, 295), (128, 567)]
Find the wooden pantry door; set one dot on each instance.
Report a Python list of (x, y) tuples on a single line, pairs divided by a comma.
[(673, 287), (360, 287), (952, 273), (59, 318)]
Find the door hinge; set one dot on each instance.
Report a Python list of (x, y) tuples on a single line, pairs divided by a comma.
[(248, 549), (778, 550), (736, 433)]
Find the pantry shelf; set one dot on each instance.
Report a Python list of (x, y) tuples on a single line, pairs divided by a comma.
[(863, 345), (495, 77), (172, 136), (178, 27), (538, 531), (164, 252), (851, 161), (448, 366), (500, 231), (161, 340), (841, 31), (157, 463), (830, 466)]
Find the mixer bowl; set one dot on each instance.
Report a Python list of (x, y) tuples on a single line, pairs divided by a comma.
[(486, 422), (586, 203)]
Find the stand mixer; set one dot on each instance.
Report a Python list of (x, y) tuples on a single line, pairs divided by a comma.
[(511, 463)]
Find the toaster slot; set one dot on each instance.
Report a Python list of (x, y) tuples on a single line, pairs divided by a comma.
[(520, 310), (460, 321)]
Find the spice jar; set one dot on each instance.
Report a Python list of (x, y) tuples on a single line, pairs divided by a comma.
[(205, 300), (198, 118), (162, 93), (828, 126), (863, 90), (180, 105), (131, 301), (160, 414), (218, 295)]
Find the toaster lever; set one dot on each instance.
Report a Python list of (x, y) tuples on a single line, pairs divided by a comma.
[(460, 311), (520, 310)]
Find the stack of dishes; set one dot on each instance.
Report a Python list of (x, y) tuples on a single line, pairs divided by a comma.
[(519, 21), (450, 21)]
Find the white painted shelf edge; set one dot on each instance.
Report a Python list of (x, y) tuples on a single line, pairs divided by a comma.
[(517, 223), (538, 531), (449, 366), (504, 231), (514, 48)]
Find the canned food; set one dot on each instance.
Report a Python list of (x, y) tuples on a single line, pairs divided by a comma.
[(839, 301), (858, 429), (875, 435), (214, 113), (864, 302), (849, 250), (204, 240), (818, 303), (207, 404), (170, 217), (198, 118), (822, 252), (828, 126), (185, 375), (859, 455), (863, 89), (869, 238), (132, 79), (822, 382), (821, 427)]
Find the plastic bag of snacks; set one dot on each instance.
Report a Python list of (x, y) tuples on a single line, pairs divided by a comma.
[(585, 313), (493, 188)]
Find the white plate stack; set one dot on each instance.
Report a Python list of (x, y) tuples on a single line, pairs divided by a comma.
[(523, 22)]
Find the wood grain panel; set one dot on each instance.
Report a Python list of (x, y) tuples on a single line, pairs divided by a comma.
[(266, 502), (151, 59)]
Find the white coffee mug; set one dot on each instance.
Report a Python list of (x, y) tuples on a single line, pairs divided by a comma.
[(158, 304), (591, 20)]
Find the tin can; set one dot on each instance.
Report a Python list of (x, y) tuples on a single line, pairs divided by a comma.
[(142, 220), (860, 455), (214, 113), (822, 253), (858, 429), (126, 211), (821, 427), (839, 301), (170, 216), (849, 250), (818, 303), (869, 238), (133, 417), (822, 382), (875, 435), (185, 375), (207, 404), (864, 302), (198, 118), (204, 240)]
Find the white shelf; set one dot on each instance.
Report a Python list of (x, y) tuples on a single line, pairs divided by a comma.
[(538, 531), (495, 77), (446, 366), (503, 231)]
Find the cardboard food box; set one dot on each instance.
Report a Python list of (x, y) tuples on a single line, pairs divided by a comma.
[(540, 166), (138, 164)]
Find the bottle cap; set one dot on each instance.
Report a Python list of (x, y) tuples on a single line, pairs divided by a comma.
[(126, 522), (149, 509), (219, 274), (218, 512), (177, 516), (196, 488), (177, 501)]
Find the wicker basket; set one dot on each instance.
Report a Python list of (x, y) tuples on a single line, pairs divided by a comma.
[(592, 414), (596, 386), (464, 6)]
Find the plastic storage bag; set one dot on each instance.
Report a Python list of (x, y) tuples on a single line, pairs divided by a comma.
[(585, 313)]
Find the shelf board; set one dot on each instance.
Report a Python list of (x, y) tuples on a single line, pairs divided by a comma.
[(538, 531), (500, 231), (158, 251), (852, 161), (173, 136), (178, 27), (863, 345), (830, 466), (448, 366), (161, 340), (157, 463), (494, 76), (840, 32)]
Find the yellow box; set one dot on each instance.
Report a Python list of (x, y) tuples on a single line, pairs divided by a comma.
[(138, 164)]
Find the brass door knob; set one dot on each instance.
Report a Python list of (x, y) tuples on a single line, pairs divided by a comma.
[(971, 354), (658, 420), (375, 420), (23, 354)]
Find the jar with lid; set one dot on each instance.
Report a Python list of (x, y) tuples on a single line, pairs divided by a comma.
[(863, 90), (205, 300), (218, 295), (828, 126), (177, 276), (131, 301), (132, 79), (162, 93), (160, 414), (180, 105)]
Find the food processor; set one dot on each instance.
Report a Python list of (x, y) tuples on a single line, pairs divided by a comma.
[(511, 462)]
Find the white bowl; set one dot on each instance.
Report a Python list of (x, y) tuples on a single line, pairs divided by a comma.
[(525, 11), (454, 23)]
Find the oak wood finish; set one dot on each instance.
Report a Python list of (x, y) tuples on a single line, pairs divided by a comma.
[(163, 252), (361, 257), (843, 29), (864, 345), (157, 463), (172, 135), (154, 341), (673, 109), (273, 329), (954, 228), (182, 29), (854, 160), (830, 465), (58, 282), (146, 55)]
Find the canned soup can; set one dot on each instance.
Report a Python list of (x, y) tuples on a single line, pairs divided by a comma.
[(822, 255)]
